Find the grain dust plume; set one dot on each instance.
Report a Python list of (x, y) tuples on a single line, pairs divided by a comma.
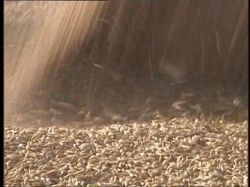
[(34, 49)]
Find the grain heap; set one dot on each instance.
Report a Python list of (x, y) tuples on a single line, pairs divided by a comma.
[(178, 152)]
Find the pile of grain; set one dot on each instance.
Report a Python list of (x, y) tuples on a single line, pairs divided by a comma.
[(178, 152)]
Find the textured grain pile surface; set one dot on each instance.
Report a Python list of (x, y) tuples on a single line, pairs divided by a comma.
[(171, 153)]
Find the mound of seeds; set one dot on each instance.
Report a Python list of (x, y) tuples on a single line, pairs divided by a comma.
[(173, 153)]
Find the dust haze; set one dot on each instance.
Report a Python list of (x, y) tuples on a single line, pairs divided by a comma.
[(101, 62)]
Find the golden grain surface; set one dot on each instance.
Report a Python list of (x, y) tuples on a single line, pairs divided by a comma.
[(164, 153)]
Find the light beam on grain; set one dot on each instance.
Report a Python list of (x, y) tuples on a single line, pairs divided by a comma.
[(25, 65)]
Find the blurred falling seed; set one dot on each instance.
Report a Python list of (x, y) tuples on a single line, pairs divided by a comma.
[(158, 115), (88, 116), (55, 112), (237, 102), (63, 105), (40, 112), (81, 113), (180, 105), (98, 66), (114, 75)]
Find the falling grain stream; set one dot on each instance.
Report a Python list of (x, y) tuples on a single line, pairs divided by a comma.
[(27, 61)]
